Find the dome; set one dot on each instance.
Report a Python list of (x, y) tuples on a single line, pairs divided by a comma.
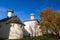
[(10, 10), (32, 14)]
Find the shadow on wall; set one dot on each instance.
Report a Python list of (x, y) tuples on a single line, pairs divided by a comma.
[(5, 30), (25, 33)]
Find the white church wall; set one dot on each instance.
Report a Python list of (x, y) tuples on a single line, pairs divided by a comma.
[(16, 31), (32, 28), (39, 31), (11, 31)]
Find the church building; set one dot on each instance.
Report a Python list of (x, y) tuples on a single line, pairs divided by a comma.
[(11, 27), (31, 27)]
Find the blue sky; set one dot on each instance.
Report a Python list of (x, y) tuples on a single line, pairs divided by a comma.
[(23, 8)]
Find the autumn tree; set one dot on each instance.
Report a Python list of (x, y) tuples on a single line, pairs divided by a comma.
[(50, 18)]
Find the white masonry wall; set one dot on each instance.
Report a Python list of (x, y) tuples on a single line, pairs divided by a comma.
[(32, 28), (9, 14), (16, 31), (11, 31)]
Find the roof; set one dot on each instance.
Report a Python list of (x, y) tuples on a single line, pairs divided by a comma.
[(32, 14), (32, 20), (13, 19), (10, 10)]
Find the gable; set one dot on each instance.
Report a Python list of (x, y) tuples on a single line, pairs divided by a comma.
[(13, 19)]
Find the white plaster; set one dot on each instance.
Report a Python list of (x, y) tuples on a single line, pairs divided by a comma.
[(32, 28), (32, 17), (11, 32), (9, 14), (16, 31)]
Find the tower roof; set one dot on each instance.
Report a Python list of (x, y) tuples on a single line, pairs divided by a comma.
[(10, 10), (13, 19), (32, 14)]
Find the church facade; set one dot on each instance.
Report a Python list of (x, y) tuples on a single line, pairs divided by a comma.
[(11, 27), (32, 27)]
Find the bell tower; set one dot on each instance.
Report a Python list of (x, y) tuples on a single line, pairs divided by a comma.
[(32, 16), (10, 11)]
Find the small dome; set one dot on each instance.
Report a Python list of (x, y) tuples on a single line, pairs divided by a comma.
[(10, 10), (32, 14)]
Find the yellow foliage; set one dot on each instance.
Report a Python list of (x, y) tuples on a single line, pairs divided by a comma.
[(50, 16)]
